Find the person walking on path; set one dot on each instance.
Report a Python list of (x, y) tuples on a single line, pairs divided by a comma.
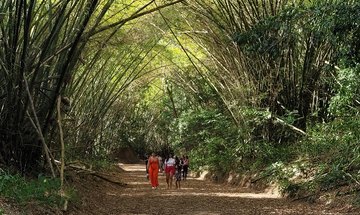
[(146, 166), (178, 167), (169, 171), (161, 162), (153, 166), (185, 166)]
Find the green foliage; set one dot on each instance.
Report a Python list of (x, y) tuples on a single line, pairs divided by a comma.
[(328, 159), (289, 50), (115, 93), (345, 102), (42, 190), (334, 22), (210, 136), (138, 87), (213, 140), (280, 173), (261, 148), (100, 163)]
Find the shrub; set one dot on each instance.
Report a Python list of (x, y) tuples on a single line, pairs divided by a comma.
[(43, 189)]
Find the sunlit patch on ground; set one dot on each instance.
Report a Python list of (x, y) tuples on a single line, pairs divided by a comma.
[(232, 195), (131, 168), (137, 183)]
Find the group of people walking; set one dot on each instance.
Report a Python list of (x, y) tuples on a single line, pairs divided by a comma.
[(172, 165)]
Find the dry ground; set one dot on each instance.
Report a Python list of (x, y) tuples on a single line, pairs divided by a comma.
[(197, 197)]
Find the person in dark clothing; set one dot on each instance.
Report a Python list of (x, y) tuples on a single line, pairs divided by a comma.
[(185, 166), (146, 166), (178, 168)]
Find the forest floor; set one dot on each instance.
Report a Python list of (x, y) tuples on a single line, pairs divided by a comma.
[(196, 197), (199, 197)]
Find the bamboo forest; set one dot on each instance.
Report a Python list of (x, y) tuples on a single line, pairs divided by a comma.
[(256, 101)]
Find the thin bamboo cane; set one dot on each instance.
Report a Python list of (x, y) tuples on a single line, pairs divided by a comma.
[(62, 156), (37, 126)]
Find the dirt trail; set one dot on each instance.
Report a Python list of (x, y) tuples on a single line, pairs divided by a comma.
[(195, 197)]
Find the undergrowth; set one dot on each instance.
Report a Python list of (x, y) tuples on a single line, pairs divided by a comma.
[(42, 190), (327, 160)]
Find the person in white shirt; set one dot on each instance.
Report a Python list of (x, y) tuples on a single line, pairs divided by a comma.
[(169, 170)]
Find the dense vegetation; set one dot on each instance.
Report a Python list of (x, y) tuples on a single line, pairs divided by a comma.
[(244, 86)]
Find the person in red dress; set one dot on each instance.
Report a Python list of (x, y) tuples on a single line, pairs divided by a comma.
[(153, 166)]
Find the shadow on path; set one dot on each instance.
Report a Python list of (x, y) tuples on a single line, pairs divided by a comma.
[(196, 197)]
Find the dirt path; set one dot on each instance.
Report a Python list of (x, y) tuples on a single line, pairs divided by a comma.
[(195, 197)]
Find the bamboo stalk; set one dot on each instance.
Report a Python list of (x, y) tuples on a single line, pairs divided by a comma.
[(62, 159), (61, 135), (38, 128), (135, 16)]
